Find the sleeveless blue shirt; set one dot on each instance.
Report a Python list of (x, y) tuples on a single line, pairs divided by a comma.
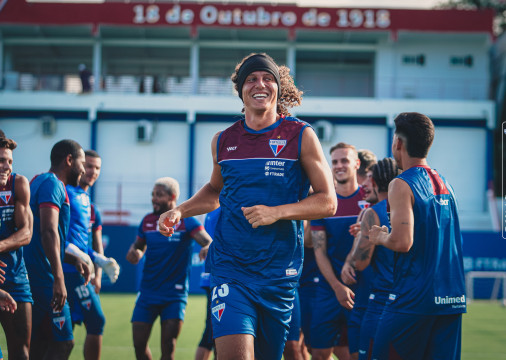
[(259, 168), (429, 278)]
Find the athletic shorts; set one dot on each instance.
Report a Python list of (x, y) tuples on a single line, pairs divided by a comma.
[(19, 292), (84, 304), (147, 309), (418, 337), (294, 331), (46, 324), (207, 336), (329, 319), (306, 299), (263, 311), (370, 323), (355, 318)]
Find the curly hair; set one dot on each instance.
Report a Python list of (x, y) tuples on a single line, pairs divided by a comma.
[(290, 96), (383, 172)]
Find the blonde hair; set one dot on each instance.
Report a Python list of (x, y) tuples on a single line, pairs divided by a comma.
[(171, 186)]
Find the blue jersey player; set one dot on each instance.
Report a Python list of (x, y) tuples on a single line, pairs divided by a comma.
[(423, 319), (364, 253), (332, 242), (262, 168), (16, 221), (51, 324), (164, 286)]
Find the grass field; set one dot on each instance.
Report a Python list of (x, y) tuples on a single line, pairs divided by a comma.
[(484, 330)]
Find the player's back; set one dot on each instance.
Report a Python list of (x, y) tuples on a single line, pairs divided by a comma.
[(429, 279), (259, 168)]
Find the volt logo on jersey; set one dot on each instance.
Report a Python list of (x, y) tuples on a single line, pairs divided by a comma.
[(277, 145), (5, 196), (218, 311), (59, 322), (86, 304)]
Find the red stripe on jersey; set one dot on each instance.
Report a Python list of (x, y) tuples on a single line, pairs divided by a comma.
[(49, 205), (438, 184)]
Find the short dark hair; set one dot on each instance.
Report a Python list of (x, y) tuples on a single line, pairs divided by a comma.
[(7, 143), (367, 159), (343, 145), (383, 172), (92, 153), (62, 149), (417, 130)]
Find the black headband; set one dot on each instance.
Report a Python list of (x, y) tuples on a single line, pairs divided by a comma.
[(257, 63)]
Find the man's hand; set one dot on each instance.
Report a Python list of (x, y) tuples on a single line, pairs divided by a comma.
[(348, 274), (97, 281), (378, 235), (167, 221), (354, 229), (345, 296), (203, 252), (7, 303), (59, 294), (109, 265), (260, 215), (84, 268)]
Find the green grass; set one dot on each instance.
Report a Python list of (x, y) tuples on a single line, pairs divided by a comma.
[(484, 329)]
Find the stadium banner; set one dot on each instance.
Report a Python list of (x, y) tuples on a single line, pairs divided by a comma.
[(208, 14)]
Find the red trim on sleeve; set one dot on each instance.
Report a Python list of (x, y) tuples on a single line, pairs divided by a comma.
[(196, 230), (99, 227), (49, 205), (317, 228)]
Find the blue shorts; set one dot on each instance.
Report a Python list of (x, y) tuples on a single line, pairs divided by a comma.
[(354, 325), (20, 292), (329, 321), (294, 331), (263, 311), (307, 305), (147, 309), (418, 337), (207, 336), (46, 324), (84, 304), (370, 323)]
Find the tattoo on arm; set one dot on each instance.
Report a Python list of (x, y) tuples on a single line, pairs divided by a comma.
[(318, 239)]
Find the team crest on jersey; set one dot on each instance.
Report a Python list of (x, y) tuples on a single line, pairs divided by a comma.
[(363, 204), (59, 322), (86, 304), (277, 145), (218, 311), (5, 196)]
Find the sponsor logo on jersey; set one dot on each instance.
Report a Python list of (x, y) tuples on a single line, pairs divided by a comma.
[(442, 202), (231, 148), (179, 287), (371, 297), (218, 311), (5, 196), (86, 304), (291, 272), (277, 145), (59, 322), (438, 300), (363, 204), (392, 297)]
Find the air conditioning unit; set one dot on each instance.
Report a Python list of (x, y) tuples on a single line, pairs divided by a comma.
[(48, 125), (323, 129), (144, 131)]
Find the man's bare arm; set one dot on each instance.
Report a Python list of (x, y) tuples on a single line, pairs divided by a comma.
[(362, 253), (23, 217), (400, 198)]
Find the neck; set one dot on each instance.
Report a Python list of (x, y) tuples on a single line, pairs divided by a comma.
[(258, 120), (382, 196), (60, 173), (84, 187), (348, 188), (409, 162)]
